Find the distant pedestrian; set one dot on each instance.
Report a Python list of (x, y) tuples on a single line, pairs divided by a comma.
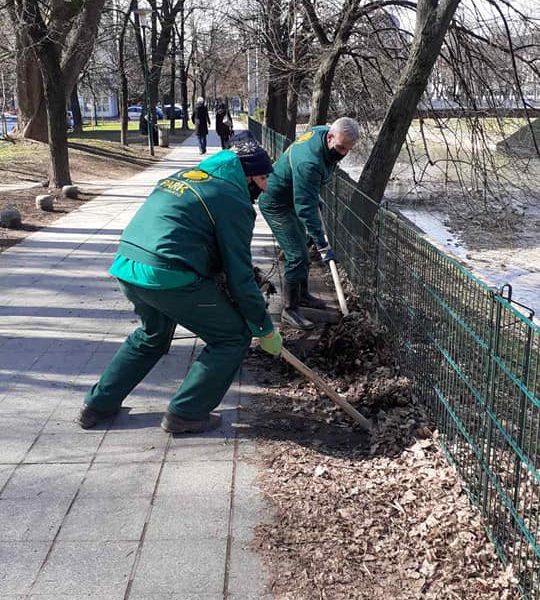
[(224, 124), (201, 119)]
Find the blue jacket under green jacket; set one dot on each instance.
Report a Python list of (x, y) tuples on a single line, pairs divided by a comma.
[(200, 220), (296, 181)]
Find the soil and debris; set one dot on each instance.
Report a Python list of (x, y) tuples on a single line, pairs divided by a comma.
[(380, 516)]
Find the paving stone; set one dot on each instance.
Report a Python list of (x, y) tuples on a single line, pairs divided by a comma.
[(107, 519), (5, 473), (212, 478), (64, 448), (120, 479), (14, 446), (99, 569), (185, 517), (19, 565), (192, 449), (245, 570), (181, 569), (44, 481), (134, 445), (31, 519)]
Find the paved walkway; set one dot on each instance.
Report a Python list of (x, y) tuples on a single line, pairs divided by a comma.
[(124, 511)]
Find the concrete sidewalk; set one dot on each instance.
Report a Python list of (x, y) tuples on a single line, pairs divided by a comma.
[(124, 511)]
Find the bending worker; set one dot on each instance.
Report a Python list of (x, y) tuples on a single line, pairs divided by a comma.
[(194, 225), (291, 206)]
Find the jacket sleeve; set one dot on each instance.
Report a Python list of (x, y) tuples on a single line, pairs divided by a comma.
[(307, 181), (234, 230)]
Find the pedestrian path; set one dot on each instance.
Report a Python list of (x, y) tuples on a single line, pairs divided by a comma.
[(122, 511)]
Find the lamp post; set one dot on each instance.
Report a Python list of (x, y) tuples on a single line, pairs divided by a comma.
[(142, 13)]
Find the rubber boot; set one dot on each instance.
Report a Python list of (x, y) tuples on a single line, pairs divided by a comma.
[(308, 300), (290, 313)]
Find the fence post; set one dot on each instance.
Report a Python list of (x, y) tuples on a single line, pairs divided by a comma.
[(493, 350), (522, 414)]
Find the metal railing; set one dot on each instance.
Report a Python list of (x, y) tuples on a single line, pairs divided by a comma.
[(473, 358)]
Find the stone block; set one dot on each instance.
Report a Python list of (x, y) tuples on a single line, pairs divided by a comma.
[(70, 191), (45, 202), (10, 218)]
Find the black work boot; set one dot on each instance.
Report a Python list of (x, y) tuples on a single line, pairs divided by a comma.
[(307, 299), (172, 423), (291, 313), (88, 417)]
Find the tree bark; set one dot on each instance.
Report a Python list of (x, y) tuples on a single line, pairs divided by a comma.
[(172, 86), (276, 105), (124, 90), (182, 68), (322, 87), (76, 111), (432, 22), (292, 104)]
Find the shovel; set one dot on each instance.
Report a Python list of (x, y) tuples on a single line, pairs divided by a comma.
[(364, 423)]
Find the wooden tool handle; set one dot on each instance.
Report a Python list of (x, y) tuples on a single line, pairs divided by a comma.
[(339, 288), (334, 396)]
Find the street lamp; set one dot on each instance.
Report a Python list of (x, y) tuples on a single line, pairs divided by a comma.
[(142, 13)]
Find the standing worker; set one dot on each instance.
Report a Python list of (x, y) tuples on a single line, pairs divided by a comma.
[(201, 119), (196, 224), (290, 205)]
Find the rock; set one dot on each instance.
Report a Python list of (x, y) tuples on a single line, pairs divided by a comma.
[(45, 202), (70, 191), (45, 183), (10, 218)]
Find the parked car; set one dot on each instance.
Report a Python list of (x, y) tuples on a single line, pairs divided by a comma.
[(7, 123), (134, 112), (178, 113)]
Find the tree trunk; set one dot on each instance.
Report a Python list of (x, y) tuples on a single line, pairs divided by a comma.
[(54, 89), (276, 104), (322, 87), (76, 110), (124, 91), (182, 69), (431, 26), (172, 90), (292, 104), (32, 108)]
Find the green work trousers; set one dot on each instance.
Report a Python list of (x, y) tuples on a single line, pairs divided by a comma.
[(203, 309), (290, 234)]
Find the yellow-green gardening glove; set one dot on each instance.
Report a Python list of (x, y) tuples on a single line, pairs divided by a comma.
[(272, 343)]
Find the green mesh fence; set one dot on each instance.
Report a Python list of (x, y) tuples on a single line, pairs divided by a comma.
[(473, 357)]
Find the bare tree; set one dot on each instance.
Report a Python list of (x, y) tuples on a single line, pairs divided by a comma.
[(48, 89)]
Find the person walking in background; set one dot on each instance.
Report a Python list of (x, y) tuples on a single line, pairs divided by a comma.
[(201, 119), (290, 206), (223, 124), (195, 225)]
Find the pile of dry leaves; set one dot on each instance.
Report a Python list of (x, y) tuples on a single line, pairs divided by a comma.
[(380, 516)]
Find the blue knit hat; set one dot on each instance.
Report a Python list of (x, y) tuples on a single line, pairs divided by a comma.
[(254, 159)]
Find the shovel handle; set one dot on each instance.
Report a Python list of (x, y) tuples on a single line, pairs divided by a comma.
[(339, 289), (324, 387)]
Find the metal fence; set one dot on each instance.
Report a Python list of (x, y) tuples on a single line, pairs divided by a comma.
[(473, 357)]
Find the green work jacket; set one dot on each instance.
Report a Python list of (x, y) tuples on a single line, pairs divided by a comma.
[(296, 181), (198, 220)]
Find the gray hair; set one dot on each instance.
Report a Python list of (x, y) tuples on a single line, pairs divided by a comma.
[(348, 127), (200, 100)]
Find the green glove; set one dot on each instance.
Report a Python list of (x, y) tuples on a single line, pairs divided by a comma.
[(272, 343)]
